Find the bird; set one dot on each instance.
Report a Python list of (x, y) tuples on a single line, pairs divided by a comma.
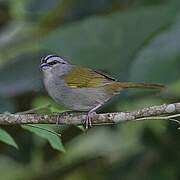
[(81, 88)]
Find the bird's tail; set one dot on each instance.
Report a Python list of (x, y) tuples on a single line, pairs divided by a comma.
[(117, 86), (139, 85)]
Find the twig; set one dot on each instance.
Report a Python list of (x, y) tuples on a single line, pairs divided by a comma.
[(160, 118), (162, 112), (36, 110)]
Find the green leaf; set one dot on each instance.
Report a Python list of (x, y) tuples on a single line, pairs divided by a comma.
[(108, 42), (6, 138), (102, 142), (160, 58), (44, 131), (7, 105), (40, 101), (24, 76)]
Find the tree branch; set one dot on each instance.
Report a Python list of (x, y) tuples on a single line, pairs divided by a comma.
[(165, 112)]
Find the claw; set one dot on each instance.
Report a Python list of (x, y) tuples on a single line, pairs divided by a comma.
[(87, 122)]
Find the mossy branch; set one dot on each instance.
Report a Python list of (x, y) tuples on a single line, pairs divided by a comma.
[(161, 112)]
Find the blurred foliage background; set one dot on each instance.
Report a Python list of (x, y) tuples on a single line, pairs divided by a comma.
[(133, 40)]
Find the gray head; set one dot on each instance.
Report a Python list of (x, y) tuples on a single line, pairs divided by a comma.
[(54, 63)]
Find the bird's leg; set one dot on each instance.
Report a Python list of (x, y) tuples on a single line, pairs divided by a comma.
[(88, 121)]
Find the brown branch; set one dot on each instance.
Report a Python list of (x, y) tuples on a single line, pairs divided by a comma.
[(165, 111)]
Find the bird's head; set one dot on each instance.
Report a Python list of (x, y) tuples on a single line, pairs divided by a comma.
[(54, 64)]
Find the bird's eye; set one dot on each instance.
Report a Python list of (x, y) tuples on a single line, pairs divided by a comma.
[(53, 63)]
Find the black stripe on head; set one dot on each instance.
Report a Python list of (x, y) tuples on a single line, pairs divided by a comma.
[(53, 59), (44, 59), (50, 56)]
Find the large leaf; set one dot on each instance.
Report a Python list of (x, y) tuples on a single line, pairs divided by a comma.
[(20, 75), (48, 133), (6, 138), (7, 105), (108, 42), (102, 142), (160, 59)]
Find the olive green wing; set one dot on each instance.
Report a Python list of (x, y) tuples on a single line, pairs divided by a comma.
[(80, 77)]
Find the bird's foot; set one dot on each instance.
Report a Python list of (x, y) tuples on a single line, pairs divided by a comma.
[(90, 115), (88, 120)]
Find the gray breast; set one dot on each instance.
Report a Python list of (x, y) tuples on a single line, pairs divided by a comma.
[(80, 99)]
